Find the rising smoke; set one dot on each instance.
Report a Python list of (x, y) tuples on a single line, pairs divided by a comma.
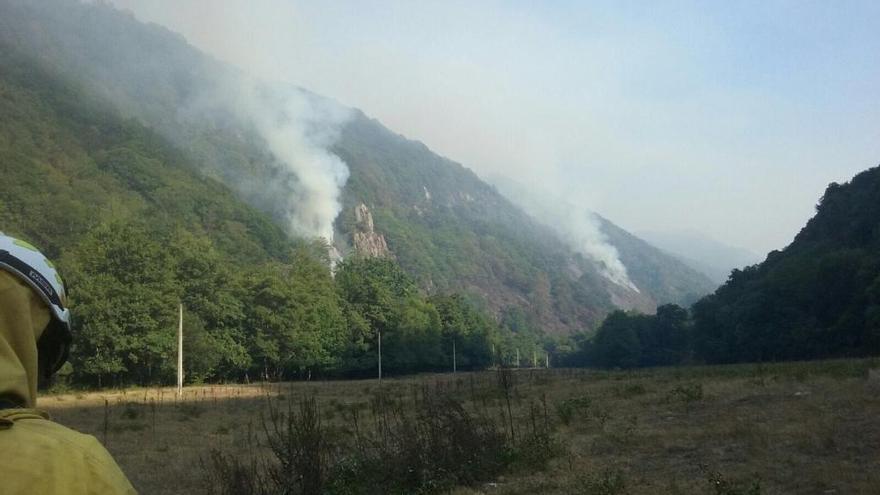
[(575, 224), (580, 228), (302, 181), (299, 129)]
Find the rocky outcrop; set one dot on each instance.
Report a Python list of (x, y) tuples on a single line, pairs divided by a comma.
[(367, 242)]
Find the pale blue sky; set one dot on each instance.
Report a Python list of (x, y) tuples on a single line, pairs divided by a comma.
[(725, 117)]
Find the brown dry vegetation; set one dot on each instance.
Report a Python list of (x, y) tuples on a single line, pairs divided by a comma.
[(782, 428)]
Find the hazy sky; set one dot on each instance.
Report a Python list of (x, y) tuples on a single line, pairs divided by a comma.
[(728, 118)]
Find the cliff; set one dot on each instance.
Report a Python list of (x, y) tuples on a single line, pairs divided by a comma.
[(367, 242)]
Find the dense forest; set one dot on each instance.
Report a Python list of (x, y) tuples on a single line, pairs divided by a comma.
[(817, 298)]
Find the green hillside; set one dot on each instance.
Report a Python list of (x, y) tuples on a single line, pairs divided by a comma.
[(70, 163), (453, 231), (818, 297), (666, 278)]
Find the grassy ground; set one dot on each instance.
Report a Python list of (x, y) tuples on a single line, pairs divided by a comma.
[(811, 428)]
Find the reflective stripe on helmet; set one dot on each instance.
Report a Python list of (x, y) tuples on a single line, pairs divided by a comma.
[(39, 282)]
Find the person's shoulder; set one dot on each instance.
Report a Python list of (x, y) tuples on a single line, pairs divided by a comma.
[(44, 431), (64, 452)]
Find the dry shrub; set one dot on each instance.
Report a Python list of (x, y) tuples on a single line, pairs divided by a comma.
[(427, 443), (425, 447)]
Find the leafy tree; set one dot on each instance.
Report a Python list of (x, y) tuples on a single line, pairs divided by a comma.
[(665, 339), (293, 317), (473, 333), (373, 287), (617, 344), (122, 285)]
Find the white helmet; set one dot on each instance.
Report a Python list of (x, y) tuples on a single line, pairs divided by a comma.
[(26, 262)]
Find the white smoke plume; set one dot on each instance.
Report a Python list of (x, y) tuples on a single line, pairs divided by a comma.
[(298, 129), (304, 180), (576, 225), (581, 229)]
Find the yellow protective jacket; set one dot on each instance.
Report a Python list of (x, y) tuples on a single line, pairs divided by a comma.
[(39, 456)]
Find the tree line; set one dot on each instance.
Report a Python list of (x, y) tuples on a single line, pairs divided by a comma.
[(286, 318)]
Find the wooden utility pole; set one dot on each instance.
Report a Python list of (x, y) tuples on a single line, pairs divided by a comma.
[(453, 357), (380, 356), (180, 353)]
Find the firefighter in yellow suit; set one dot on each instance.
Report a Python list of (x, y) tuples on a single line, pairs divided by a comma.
[(37, 455)]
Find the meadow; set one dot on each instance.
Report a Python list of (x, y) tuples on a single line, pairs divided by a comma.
[(804, 427)]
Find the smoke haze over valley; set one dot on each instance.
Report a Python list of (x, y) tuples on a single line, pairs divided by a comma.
[(638, 112), (703, 253)]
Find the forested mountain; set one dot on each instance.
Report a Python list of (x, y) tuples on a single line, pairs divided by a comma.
[(133, 227), (136, 231), (447, 228), (156, 176), (137, 228), (656, 271), (70, 162), (453, 231), (657, 275), (818, 297)]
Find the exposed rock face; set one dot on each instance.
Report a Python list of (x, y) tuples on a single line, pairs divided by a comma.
[(366, 241)]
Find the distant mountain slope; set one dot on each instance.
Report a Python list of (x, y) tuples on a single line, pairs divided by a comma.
[(453, 231), (660, 275), (701, 252), (818, 297), (70, 163), (668, 278), (445, 226)]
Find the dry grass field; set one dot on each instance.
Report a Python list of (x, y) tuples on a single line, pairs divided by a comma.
[(804, 428)]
